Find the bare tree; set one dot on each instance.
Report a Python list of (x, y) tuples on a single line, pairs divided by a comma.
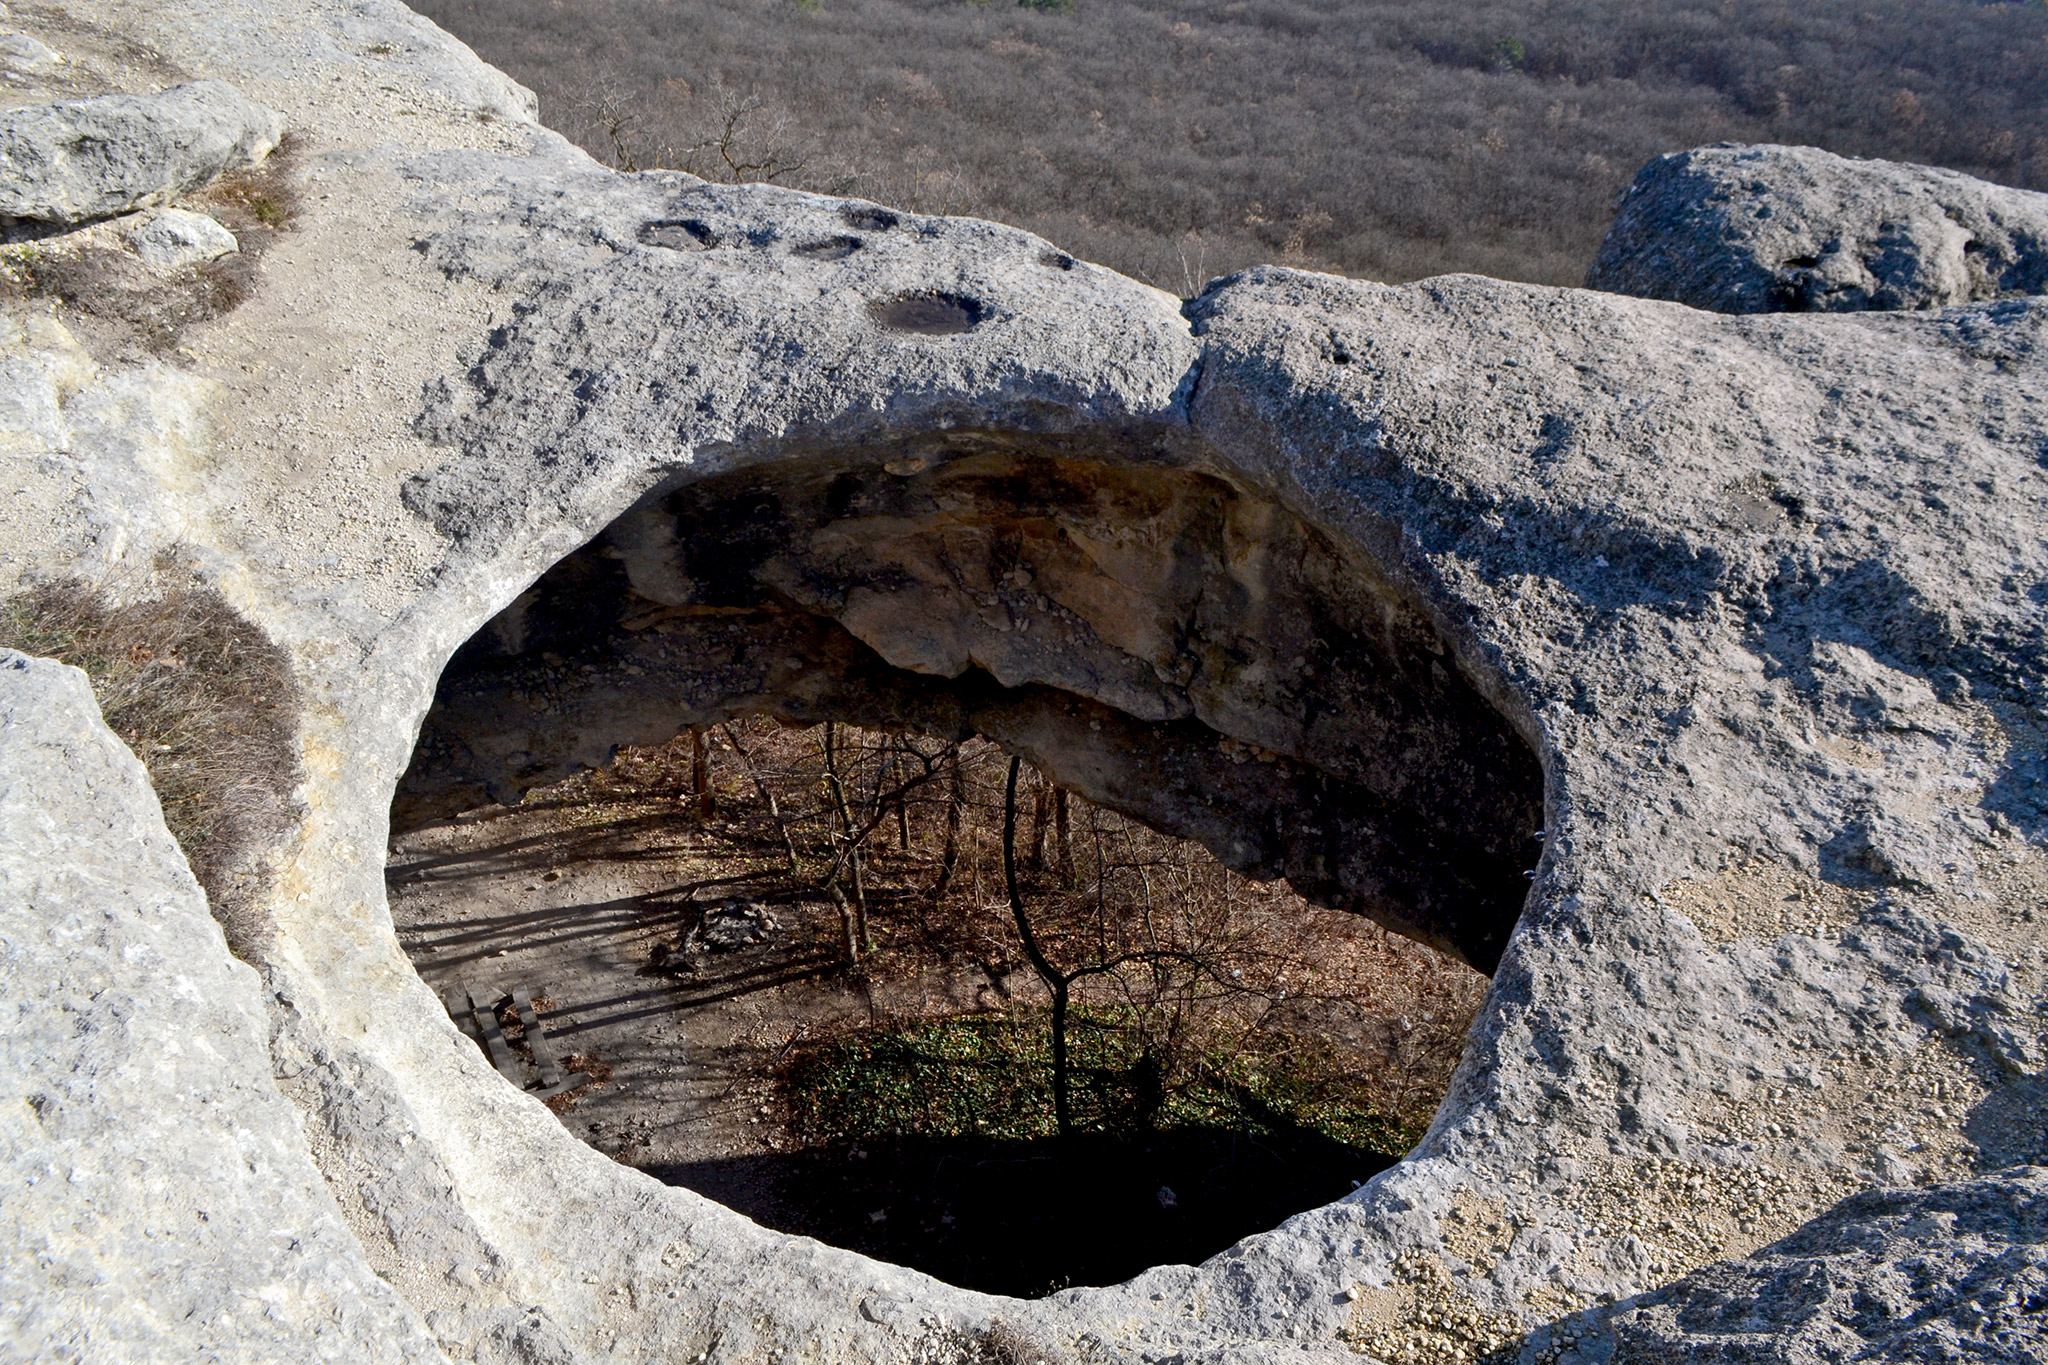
[(846, 858), (1167, 976), (1063, 837), (748, 142), (956, 811), (613, 113), (767, 796), (1059, 983)]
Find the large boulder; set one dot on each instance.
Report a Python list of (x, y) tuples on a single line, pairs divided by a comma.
[(1956, 1272), (68, 163), (1766, 229), (160, 1201)]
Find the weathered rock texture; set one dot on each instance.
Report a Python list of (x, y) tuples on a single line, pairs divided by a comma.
[(175, 238), (1759, 599), (159, 1200), (1743, 229), (73, 162), (19, 52), (1954, 1273)]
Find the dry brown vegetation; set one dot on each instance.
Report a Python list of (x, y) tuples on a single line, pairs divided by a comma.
[(1197, 990), (1179, 141), (205, 700)]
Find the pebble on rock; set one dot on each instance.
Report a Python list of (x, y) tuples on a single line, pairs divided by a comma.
[(178, 237)]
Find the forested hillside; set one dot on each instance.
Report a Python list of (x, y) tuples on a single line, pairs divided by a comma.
[(1174, 141)]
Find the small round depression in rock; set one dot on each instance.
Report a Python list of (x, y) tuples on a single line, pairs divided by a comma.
[(868, 218), (932, 315), (795, 817), (681, 234), (828, 249)]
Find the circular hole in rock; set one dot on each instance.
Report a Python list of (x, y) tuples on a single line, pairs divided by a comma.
[(682, 234), (869, 219), (1243, 756), (830, 249), (932, 314)]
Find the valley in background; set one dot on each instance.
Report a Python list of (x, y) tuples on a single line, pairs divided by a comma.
[(1180, 141)]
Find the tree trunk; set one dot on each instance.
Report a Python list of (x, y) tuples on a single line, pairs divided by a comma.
[(700, 776), (1041, 817), (849, 926), (767, 796), (1055, 984), (956, 809), (903, 810), (1062, 1104), (857, 934), (1063, 838), (860, 904)]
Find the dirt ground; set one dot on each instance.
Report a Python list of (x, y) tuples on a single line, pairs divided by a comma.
[(589, 897)]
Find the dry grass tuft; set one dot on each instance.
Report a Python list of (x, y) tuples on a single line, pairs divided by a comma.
[(120, 303), (205, 700), (261, 199), (1009, 1343)]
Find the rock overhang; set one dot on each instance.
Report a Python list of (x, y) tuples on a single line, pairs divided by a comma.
[(1141, 630), (1759, 592)]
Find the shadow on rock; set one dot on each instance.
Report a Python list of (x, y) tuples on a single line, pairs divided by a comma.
[(1030, 1217)]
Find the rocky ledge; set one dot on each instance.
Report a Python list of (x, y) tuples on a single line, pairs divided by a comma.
[(1748, 607), (1796, 229)]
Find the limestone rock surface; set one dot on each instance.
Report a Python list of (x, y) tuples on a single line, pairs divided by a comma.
[(1761, 598), (19, 52), (176, 237), (159, 1200), (1768, 229), (1952, 1272), (84, 159)]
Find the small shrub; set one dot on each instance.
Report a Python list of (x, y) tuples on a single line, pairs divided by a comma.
[(208, 704), (117, 303)]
